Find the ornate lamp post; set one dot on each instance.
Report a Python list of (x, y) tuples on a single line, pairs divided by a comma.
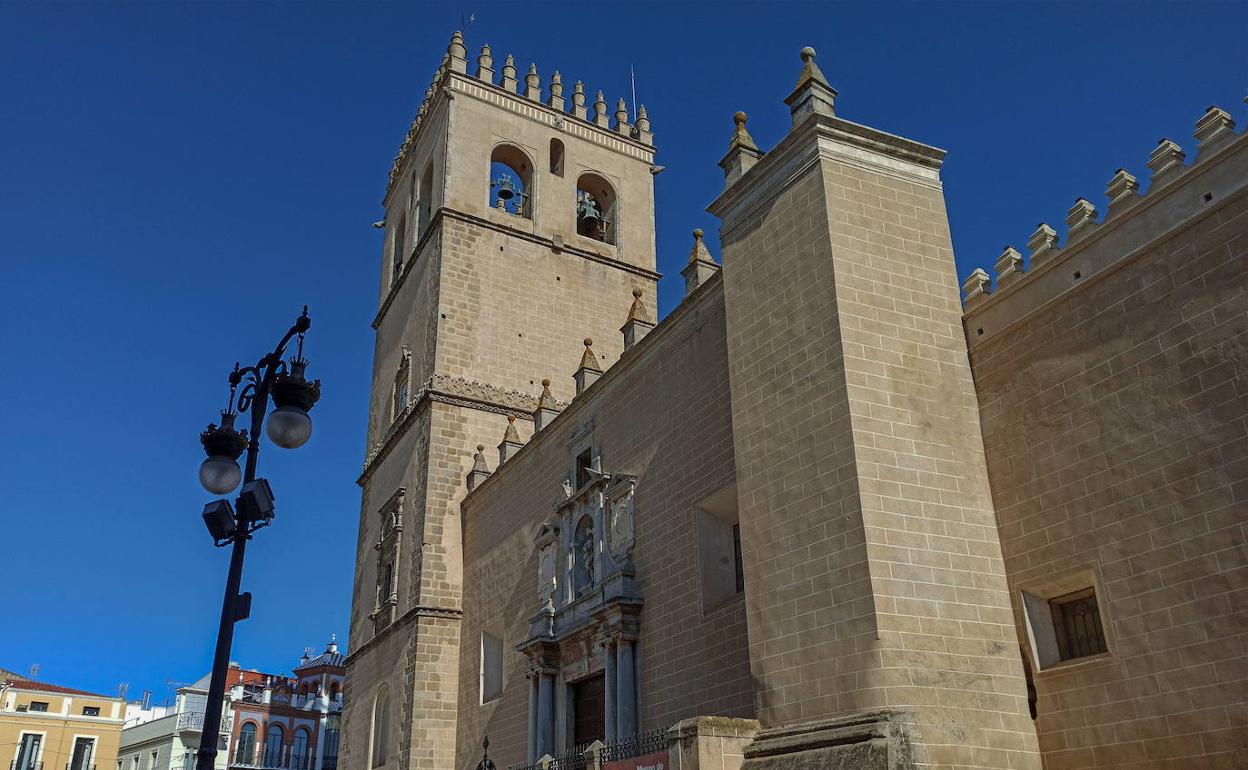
[(289, 427)]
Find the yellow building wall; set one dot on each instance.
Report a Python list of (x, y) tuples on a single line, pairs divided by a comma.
[(60, 726)]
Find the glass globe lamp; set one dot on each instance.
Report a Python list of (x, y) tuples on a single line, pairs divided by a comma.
[(293, 395), (289, 427), (220, 474)]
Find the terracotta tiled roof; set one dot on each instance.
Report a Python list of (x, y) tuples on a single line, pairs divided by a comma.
[(27, 684)]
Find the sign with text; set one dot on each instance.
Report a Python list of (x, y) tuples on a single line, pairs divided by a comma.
[(655, 761)]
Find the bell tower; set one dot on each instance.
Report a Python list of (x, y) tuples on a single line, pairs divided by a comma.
[(519, 220)]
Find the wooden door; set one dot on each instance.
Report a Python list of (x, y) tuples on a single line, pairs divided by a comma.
[(588, 710)]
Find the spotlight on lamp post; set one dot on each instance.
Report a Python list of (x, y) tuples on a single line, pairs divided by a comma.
[(288, 427)]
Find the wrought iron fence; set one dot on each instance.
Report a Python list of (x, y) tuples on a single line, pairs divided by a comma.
[(265, 760), (579, 758), (15, 765), (636, 746)]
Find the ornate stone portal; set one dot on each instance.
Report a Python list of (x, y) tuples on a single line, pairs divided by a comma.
[(587, 622)]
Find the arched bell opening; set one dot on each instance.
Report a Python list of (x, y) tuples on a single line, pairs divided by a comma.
[(511, 176), (595, 208)]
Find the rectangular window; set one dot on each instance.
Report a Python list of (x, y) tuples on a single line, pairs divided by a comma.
[(584, 461), (720, 576), (28, 751), (400, 244), (491, 666), (1063, 620), (1077, 624), (90, 711), (84, 751), (38, 705), (387, 582), (426, 201), (402, 387)]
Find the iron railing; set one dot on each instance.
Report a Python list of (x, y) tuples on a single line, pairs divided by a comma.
[(70, 766), (579, 758), (268, 761), (15, 765), (194, 720), (636, 746)]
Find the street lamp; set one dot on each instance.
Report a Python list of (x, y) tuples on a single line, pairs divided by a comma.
[(289, 427)]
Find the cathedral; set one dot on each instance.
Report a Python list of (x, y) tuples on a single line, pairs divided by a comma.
[(830, 512)]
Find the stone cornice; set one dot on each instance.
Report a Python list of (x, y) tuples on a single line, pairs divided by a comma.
[(835, 138), (631, 357), (547, 115), (452, 83), (1114, 243), (472, 219), (412, 259), (456, 391), (419, 611)]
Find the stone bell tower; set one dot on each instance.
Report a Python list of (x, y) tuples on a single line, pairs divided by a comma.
[(515, 213), (880, 630)]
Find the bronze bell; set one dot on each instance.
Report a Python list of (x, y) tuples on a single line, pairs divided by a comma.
[(506, 189)]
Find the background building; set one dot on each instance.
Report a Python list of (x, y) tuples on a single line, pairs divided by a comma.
[(824, 514), (49, 727), (291, 723), (269, 721), (167, 737)]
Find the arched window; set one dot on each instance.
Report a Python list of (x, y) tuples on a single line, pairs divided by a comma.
[(273, 738), (333, 691), (299, 750), (556, 157), (511, 174), (381, 726), (583, 555), (400, 245), (245, 754), (595, 208)]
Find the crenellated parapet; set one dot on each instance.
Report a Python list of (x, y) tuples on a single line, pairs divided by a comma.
[(528, 88), (1177, 192)]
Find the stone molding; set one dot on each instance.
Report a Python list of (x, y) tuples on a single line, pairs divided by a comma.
[(875, 740), (448, 81), (550, 243), (671, 325), (407, 618), (835, 139), (454, 391)]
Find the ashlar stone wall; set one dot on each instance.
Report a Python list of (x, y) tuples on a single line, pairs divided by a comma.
[(1114, 415), (661, 414)]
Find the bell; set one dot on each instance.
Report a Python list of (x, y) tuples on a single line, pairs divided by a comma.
[(506, 190)]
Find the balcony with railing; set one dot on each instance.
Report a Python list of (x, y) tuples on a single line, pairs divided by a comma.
[(193, 721), (16, 765), (275, 760), (172, 724)]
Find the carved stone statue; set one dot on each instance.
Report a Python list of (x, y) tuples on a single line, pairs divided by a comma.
[(621, 523), (583, 547)]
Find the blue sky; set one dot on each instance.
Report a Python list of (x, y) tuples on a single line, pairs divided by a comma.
[(177, 180)]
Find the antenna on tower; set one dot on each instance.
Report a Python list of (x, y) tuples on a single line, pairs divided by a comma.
[(632, 79), (121, 690), (34, 670)]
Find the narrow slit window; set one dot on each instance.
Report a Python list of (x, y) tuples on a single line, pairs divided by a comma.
[(556, 157)]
